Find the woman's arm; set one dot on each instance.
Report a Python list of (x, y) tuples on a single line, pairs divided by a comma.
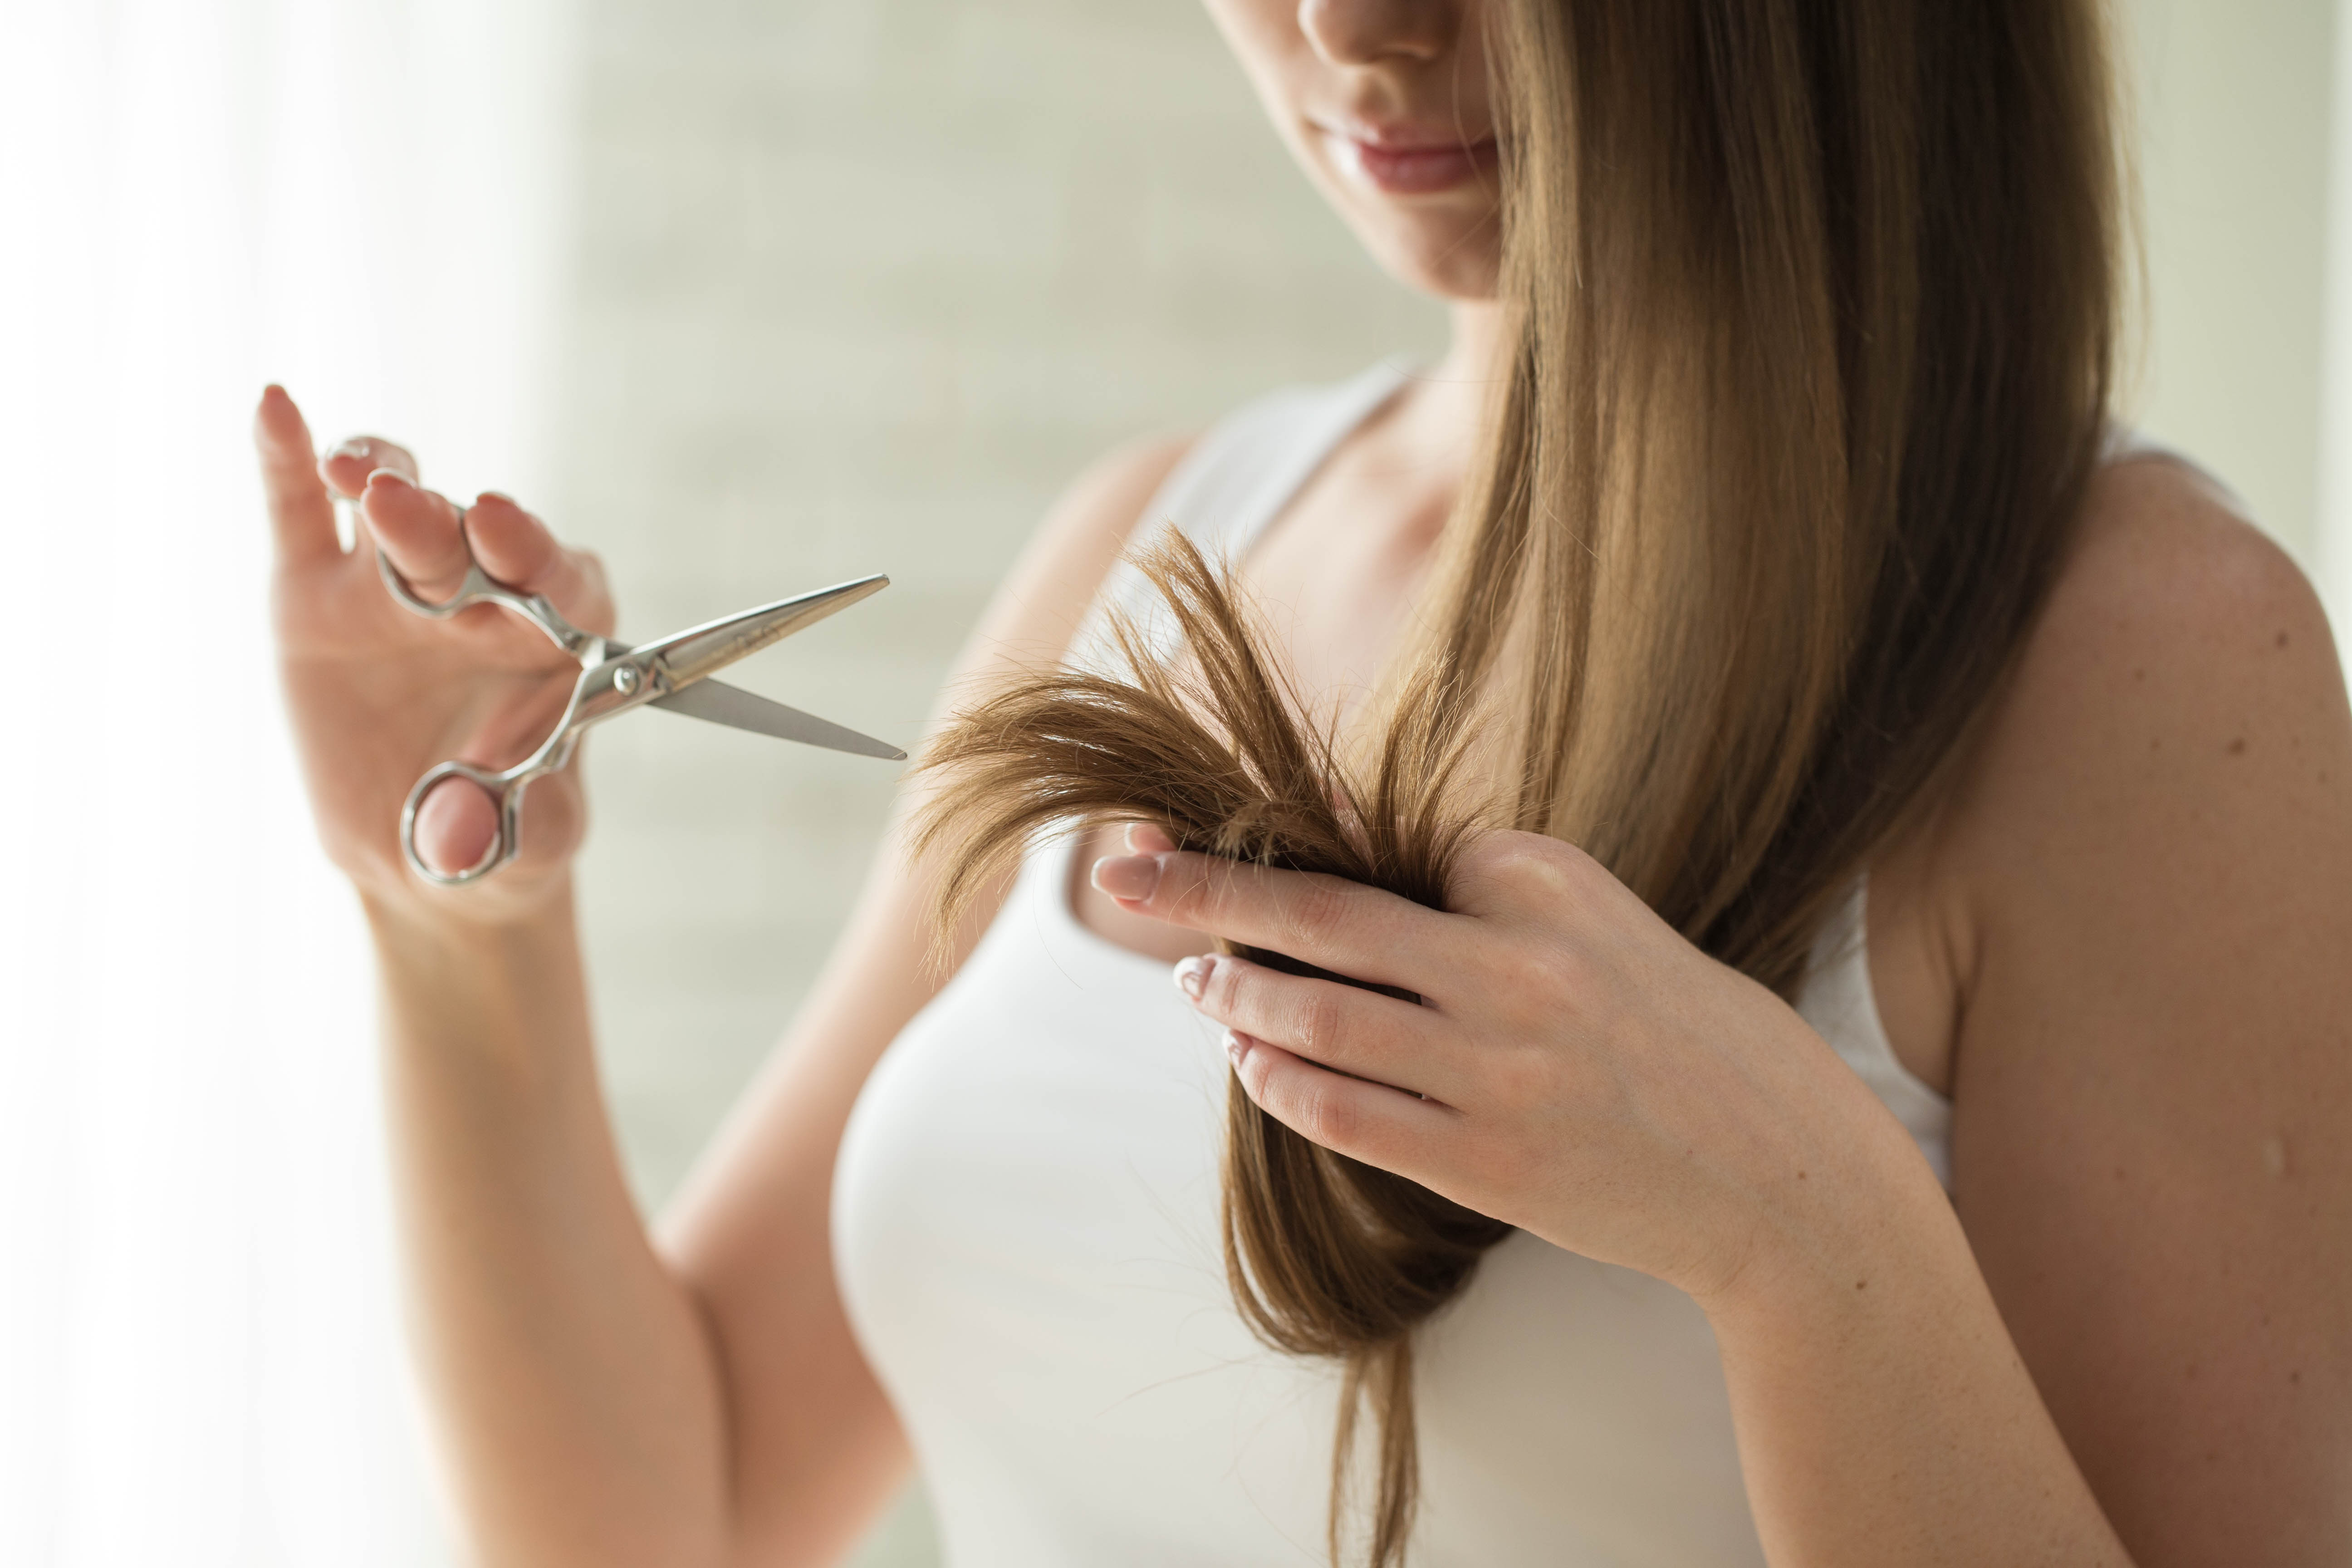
[(603, 1400), (2150, 878), (2153, 1094), (2152, 1134)]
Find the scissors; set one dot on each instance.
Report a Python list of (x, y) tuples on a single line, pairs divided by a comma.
[(673, 672)]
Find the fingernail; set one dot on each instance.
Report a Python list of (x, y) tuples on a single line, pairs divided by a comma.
[(1237, 1048), (1192, 975), (357, 446), (394, 476), (496, 495), (1128, 876)]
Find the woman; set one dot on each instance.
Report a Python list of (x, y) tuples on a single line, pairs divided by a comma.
[(1766, 482)]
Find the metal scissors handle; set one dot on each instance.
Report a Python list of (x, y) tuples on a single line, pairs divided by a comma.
[(615, 678)]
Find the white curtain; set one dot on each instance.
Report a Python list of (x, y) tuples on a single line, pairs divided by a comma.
[(200, 1347)]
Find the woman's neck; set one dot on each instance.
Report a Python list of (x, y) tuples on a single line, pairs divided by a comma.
[(1458, 383), (1429, 436)]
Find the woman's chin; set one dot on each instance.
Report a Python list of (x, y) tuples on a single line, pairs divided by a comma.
[(1459, 262)]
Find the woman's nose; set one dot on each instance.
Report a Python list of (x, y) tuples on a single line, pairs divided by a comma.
[(1365, 32)]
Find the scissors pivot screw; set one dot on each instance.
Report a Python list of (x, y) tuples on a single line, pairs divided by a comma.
[(624, 679)]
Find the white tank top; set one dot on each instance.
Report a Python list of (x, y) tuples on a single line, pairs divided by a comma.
[(1025, 1225)]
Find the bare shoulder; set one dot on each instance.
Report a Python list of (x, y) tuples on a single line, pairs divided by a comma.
[(2182, 675), (1045, 596), (2163, 569), (2152, 1136)]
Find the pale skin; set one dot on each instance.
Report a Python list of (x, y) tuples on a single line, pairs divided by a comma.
[(2120, 947)]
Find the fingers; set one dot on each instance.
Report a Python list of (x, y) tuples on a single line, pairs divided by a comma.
[(1147, 838), (417, 530), (1342, 1028), (347, 467), (1329, 921), (516, 548), (1367, 1122), (427, 535), (301, 517)]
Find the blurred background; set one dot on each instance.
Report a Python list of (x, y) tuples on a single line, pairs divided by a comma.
[(749, 296)]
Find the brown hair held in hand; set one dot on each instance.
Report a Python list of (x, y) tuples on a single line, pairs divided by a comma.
[(1326, 1257)]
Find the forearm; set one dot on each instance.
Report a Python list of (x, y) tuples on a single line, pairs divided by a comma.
[(1883, 1412), (579, 1397)]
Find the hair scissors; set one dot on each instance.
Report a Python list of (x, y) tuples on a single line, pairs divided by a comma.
[(673, 672)]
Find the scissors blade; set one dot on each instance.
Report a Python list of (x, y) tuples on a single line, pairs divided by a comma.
[(689, 656), (731, 705)]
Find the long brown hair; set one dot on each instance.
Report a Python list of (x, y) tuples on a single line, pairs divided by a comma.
[(1815, 307)]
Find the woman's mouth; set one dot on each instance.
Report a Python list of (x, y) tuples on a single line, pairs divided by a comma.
[(1404, 164)]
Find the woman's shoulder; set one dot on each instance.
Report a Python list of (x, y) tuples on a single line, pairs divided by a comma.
[(2163, 549), (2173, 744), (2180, 649)]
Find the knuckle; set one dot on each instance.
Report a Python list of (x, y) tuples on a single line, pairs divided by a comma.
[(1229, 989), (1322, 1115), (1554, 974), (1190, 891), (1502, 1164), (1542, 864), (1518, 1078), (1317, 1022), (1317, 913)]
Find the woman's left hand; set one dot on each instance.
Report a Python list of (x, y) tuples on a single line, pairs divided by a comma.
[(1575, 1067)]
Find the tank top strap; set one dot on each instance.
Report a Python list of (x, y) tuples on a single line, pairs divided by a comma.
[(1229, 485), (1244, 469), (1235, 480), (1841, 1004)]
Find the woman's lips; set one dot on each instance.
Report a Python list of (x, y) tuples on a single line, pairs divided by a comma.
[(1410, 169)]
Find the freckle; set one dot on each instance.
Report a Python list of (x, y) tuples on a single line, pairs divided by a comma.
[(2120, 1173), (1859, 1283), (1800, 1176), (2294, 1376), (2282, 642), (2139, 675), (2238, 747), (2156, 746), (2274, 1154)]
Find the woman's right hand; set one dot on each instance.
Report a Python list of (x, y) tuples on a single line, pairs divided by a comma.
[(378, 694)]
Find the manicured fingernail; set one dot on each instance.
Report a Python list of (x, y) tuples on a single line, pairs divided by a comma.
[(1192, 975), (1128, 876), (1237, 1048)]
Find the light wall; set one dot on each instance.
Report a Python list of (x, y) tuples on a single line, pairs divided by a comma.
[(858, 286), (2234, 112)]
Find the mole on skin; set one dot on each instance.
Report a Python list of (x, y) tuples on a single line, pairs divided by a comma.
[(2274, 1154)]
